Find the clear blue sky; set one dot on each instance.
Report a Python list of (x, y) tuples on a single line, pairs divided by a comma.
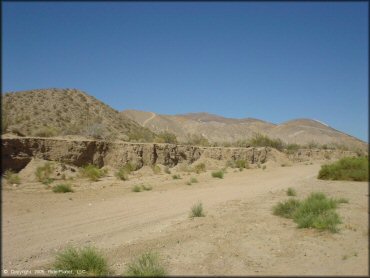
[(272, 61)]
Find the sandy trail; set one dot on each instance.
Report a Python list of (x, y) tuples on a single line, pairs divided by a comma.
[(36, 225), (149, 119)]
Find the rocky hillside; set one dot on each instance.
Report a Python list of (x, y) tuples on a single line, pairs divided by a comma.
[(58, 112), (219, 129)]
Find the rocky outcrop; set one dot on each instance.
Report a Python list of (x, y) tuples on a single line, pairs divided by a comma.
[(18, 152)]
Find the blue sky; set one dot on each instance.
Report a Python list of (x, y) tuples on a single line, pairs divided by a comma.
[(272, 61)]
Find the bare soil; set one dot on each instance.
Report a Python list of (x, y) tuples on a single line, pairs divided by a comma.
[(238, 236)]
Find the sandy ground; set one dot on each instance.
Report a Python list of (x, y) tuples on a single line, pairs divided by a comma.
[(238, 236)]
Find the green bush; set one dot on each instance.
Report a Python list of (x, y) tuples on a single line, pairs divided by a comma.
[(348, 168), (193, 180), (62, 188), (12, 177), (147, 264), (291, 192), (176, 177), (316, 211), (218, 174), (43, 173), (88, 259), (197, 211), (201, 167), (92, 172), (197, 140)]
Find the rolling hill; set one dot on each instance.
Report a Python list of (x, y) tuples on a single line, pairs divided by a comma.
[(220, 129)]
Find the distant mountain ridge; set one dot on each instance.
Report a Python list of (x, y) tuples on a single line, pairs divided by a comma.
[(220, 129)]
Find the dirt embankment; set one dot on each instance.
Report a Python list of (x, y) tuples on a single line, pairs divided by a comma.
[(18, 152)]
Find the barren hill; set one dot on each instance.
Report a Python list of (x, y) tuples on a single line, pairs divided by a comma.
[(52, 112), (219, 129)]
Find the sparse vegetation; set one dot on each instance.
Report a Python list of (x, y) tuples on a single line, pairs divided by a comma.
[(291, 192), (146, 188), (147, 264), (191, 181), (176, 177), (197, 140), (156, 169), (45, 132), (87, 259), (12, 177), (62, 188), (200, 167), (43, 173), (218, 174), (260, 140), (264, 167), (136, 188), (92, 172), (167, 170), (166, 137), (197, 210), (125, 170), (316, 211), (348, 168)]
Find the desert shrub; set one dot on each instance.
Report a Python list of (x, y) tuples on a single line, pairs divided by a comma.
[(264, 167), (240, 163), (193, 180), (147, 264), (176, 177), (292, 148), (62, 188), (122, 174), (156, 169), (167, 170), (43, 173), (200, 167), (125, 170), (260, 140), (92, 172), (88, 259), (12, 177), (218, 174), (197, 140), (136, 188), (146, 188), (312, 145), (96, 131), (45, 132), (197, 210), (291, 192), (141, 135), (316, 211), (166, 137), (348, 168)]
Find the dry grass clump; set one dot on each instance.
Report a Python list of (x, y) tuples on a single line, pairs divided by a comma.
[(197, 210), (316, 211), (191, 181), (12, 177), (92, 172), (176, 177), (125, 170), (199, 168), (218, 174), (62, 188), (43, 173), (156, 169), (291, 192), (86, 261), (166, 137), (147, 264)]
